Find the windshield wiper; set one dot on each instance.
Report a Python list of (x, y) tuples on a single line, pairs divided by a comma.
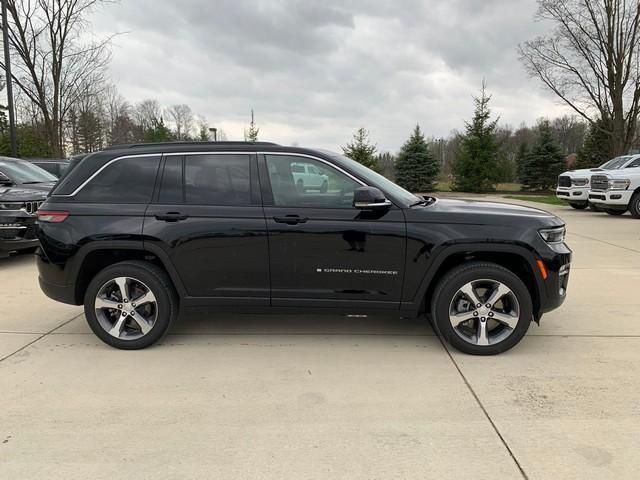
[(30, 183)]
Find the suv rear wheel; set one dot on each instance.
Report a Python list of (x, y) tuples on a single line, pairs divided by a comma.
[(481, 308), (130, 305)]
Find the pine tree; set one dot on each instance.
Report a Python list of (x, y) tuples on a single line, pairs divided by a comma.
[(416, 166), (361, 149), (158, 132), (521, 160), (475, 168), (544, 162), (252, 134), (596, 149)]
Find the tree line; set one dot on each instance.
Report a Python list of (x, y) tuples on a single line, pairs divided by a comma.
[(589, 60)]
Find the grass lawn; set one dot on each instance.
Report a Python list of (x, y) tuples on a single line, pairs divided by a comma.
[(548, 199)]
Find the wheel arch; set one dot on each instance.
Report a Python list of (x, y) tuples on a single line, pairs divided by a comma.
[(96, 256), (515, 258)]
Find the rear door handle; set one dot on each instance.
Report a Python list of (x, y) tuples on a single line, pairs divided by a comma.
[(172, 216), (291, 219)]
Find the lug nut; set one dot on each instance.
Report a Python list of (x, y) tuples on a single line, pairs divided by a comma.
[(124, 314), (120, 307), (491, 314), (482, 319), (488, 305), (133, 305), (479, 305)]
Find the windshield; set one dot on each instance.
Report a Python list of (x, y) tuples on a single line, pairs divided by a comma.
[(20, 171), (383, 182), (615, 163)]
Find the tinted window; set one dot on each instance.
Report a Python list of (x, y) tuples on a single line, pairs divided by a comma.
[(328, 189), (217, 179), (635, 163), (171, 185), (129, 180)]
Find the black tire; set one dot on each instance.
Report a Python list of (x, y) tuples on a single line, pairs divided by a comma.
[(578, 206), (594, 207), (615, 212), (447, 289), (324, 187), (158, 283), (634, 205)]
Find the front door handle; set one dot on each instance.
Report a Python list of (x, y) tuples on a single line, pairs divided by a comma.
[(291, 219), (171, 216)]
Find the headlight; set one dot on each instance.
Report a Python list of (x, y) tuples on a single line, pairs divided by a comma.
[(10, 206), (580, 182), (619, 183), (553, 235)]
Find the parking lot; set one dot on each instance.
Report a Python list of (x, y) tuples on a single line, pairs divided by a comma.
[(258, 397)]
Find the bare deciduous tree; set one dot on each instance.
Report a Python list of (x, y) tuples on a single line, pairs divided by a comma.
[(53, 67), (182, 118), (591, 62)]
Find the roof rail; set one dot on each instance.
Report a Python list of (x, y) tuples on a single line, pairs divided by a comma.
[(160, 144)]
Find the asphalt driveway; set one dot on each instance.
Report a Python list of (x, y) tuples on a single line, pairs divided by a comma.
[(257, 397)]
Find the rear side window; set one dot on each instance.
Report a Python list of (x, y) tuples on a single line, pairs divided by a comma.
[(635, 163), (129, 180), (217, 179)]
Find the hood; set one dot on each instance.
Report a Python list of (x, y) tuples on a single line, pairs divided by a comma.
[(43, 187), (633, 172), (582, 171), (20, 194), (482, 213)]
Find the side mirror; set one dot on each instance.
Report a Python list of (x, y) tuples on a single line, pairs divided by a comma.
[(369, 198), (4, 180)]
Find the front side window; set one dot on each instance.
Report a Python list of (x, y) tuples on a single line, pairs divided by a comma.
[(323, 187), (634, 164), (128, 180), (223, 179)]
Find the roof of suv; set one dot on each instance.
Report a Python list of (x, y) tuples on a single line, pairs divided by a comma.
[(90, 164)]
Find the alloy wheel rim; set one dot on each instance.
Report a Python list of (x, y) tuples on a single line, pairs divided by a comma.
[(484, 312), (126, 308)]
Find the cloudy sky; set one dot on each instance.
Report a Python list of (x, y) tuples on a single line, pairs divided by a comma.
[(316, 70)]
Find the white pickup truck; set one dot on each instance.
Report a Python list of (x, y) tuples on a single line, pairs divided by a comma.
[(617, 191), (307, 176), (573, 186)]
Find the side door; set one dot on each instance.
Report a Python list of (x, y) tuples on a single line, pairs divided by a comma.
[(207, 218), (323, 252)]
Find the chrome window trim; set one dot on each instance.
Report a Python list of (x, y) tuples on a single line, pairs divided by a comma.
[(236, 152), (97, 172)]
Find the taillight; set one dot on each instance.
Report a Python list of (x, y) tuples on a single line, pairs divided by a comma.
[(51, 217)]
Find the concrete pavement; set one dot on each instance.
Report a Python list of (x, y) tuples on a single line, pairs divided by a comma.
[(328, 397)]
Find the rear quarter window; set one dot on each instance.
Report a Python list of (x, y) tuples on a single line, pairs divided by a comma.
[(128, 180)]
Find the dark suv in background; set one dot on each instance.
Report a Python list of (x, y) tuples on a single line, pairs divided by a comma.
[(23, 188), (135, 232)]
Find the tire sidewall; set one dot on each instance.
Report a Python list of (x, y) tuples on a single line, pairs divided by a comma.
[(165, 304), (634, 205), (459, 277)]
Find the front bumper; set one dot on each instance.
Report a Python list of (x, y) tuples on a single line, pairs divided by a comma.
[(573, 194), (619, 198), (17, 231), (558, 266)]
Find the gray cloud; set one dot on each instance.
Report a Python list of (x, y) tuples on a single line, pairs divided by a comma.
[(316, 71)]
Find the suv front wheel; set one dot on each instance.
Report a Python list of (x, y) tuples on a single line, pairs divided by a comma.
[(481, 308), (130, 305)]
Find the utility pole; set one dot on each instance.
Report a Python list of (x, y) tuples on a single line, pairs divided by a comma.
[(7, 71)]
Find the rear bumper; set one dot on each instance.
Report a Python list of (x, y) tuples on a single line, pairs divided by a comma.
[(613, 198), (59, 293), (573, 194)]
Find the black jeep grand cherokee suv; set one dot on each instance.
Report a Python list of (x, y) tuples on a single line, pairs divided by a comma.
[(134, 232)]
